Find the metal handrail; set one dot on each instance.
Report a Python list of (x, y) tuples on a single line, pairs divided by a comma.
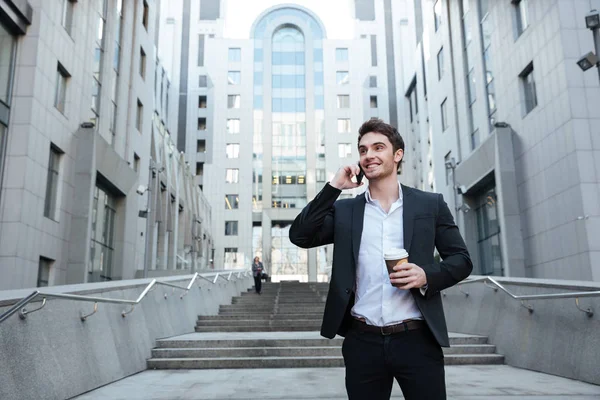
[(569, 295), (19, 306)]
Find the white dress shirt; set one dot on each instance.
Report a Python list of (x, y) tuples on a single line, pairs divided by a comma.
[(376, 300)]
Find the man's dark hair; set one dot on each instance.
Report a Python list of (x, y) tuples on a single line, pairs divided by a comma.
[(378, 126)]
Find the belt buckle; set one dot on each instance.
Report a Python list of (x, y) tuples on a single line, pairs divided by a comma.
[(383, 333)]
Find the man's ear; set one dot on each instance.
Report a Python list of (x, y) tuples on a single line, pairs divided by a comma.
[(399, 155)]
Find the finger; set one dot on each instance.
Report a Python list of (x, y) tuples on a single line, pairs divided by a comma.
[(403, 281), (401, 274), (403, 267)]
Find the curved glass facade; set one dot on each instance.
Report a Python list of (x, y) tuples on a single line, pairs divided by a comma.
[(288, 68)]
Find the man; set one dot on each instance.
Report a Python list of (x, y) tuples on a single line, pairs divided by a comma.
[(390, 331)]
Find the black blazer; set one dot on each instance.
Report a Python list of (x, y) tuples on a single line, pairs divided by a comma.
[(428, 223)]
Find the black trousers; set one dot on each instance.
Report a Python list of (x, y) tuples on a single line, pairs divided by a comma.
[(257, 284), (413, 358)]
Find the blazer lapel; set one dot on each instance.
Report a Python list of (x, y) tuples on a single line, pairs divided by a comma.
[(408, 216), (358, 214)]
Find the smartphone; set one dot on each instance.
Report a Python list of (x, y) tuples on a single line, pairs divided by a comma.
[(360, 174)]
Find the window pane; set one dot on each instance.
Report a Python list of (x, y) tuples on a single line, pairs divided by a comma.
[(235, 55), (342, 77), (232, 201), (232, 175), (440, 60), (341, 54), (201, 124), (233, 101), (344, 150), (202, 101), (437, 11), (202, 81), (372, 81), (444, 116), (343, 101), (471, 86), (343, 125), (232, 150), (373, 101), (234, 77), (231, 228), (233, 126)]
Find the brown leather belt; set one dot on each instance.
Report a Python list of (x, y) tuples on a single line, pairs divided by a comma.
[(402, 327)]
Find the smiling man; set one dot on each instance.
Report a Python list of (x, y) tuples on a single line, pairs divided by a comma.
[(393, 323)]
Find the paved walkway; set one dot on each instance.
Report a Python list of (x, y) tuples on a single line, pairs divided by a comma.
[(489, 382)]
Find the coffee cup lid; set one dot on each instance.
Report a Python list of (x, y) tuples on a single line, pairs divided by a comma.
[(395, 254)]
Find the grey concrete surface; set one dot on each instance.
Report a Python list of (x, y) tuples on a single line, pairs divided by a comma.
[(54, 355), (556, 338), (463, 383)]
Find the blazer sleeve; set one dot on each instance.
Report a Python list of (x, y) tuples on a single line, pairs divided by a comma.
[(314, 225), (456, 262)]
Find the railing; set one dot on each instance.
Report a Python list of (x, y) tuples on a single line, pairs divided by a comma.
[(523, 298), (19, 306)]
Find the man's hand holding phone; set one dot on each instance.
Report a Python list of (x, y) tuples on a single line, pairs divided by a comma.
[(343, 177)]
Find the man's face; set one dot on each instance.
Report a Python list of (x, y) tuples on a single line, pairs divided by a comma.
[(377, 157)]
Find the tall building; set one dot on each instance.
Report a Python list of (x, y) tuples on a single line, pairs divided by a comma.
[(93, 187), (271, 117), (506, 125)]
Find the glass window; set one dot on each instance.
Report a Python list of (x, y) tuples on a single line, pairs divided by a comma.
[(444, 115), (142, 63), (102, 249), (342, 77), (471, 86), (232, 150), (437, 12), (521, 16), (44, 271), (231, 228), (67, 15), (232, 175), (200, 168), (373, 81), (233, 126), (202, 124), (139, 116), (235, 55), (233, 101), (343, 125), (202, 101), (202, 81), (448, 170), (343, 101), (234, 77), (145, 15), (440, 62), (61, 88), (201, 146), (232, 201), (528, 84), (373, 101), (344, 150), (7, 47), (231, 257), (321, 175), (341, 54), (474, 139), (52, 183)]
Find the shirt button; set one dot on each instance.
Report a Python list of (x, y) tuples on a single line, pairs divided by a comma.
[(347, 291)]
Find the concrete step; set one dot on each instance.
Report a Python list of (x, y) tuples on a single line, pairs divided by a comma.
[(233, 352), (262, 316), (229, 343), (258, 323), (278, 328), (301, 342), (282, 309), (294, 362), (290, 351)]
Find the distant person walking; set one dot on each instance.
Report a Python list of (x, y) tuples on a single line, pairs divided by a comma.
[(257, 271)]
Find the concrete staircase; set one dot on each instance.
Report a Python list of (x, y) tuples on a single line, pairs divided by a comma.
[(280, 329)]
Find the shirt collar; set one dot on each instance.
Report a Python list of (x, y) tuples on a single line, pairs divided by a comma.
[(370, 200)]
